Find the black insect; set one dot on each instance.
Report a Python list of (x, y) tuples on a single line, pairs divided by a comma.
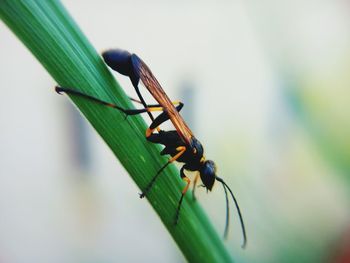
[(180, 144)]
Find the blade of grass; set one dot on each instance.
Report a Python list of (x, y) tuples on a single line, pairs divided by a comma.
[(51, 35)]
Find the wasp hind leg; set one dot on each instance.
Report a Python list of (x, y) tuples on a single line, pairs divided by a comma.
[(127, 112), (194, 186)]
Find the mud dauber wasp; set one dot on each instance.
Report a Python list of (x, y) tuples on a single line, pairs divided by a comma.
[(180, 144)]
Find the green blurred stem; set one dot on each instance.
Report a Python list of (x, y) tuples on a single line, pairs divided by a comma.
[(51, 35)]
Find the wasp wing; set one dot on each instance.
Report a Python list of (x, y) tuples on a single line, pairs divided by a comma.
[(156, 90)]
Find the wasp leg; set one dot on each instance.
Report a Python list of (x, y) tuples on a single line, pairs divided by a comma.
[(59, 90), (163, 117), (188, 181), (176, 102), (156, 107), (194, 186), (181, 150), (128, 112)]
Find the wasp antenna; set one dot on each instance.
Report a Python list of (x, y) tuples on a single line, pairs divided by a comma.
[(227, 213), (238, 210)]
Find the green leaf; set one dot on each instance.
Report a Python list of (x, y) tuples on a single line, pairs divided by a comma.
[(51, 35)]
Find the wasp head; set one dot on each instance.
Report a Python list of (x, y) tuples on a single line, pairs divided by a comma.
[(208, 174)]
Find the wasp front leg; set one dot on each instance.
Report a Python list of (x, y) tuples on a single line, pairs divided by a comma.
[(188, 181)]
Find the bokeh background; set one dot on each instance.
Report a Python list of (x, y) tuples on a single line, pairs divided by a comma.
[(266, 89)]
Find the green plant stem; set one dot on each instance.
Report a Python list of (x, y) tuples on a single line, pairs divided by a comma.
[(51, 35)]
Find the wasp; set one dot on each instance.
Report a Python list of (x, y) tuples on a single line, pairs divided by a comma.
[(180, 143)]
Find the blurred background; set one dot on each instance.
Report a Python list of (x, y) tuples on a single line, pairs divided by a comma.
[(266, 90)]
